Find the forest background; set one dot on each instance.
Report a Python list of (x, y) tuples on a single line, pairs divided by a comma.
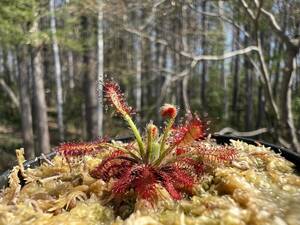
[(234, 62)]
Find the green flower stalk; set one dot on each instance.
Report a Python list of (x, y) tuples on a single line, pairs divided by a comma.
[(116, 99), (167, 111), (152, 134)]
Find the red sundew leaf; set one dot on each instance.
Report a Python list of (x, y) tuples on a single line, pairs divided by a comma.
[(115, 97), (145, 183), (111, 169), (168, 184), (147, 191), (111, 166), (191, 164), (185, 134), (122, 185), (141, 178), (80, 148), (181, 179), (180, 151), (216, 153), (130, 147)]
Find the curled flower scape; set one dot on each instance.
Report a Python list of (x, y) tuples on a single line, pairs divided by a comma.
[(174, 159), (192, 129), (168, 111), (116, 98)]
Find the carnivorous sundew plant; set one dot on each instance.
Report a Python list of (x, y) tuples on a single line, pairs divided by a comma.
[(173, 160)]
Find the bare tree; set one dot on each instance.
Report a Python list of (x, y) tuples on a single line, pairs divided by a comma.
[(58, 74), (89, 79), (249, 77), (1, 62), (39, 92), (223, 71), (100, 58), (70, 62), (204, 62), (236, 80), (185, 45), (26, 116), (138, 88), (138, 57), (71, 69)]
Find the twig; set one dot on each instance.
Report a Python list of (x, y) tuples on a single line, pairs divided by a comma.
[(196, 60), (221, 16), (46, 159), (271, 18), (249, 11), (277, 28), (10, 93), (152, 15), (224, 56), (229, 130), (50, 178)]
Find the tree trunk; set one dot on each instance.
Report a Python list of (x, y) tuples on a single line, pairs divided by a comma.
[(138, 45), (161, 61), (284, 19), (100, 69), (224, 90), (15, 71), (39, 94), (222, 69), (235, 94), (248, 89), (184, 40), (1, 62), (10, 66), (138, 88), (89, 79), (6, 71), (204, 62), (249, 97), (277, 70), (58, 75), (40, 103), (177, 63), (26, 116), (287, 121), (71, 69), (154, 74), (260, 107), (70, 61)]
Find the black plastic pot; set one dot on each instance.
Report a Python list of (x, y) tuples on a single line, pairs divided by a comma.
[(221, 139)]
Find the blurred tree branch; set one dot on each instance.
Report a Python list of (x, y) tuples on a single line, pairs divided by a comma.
[(10, 93), (229, 130), (220, 15), (187, 54)]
